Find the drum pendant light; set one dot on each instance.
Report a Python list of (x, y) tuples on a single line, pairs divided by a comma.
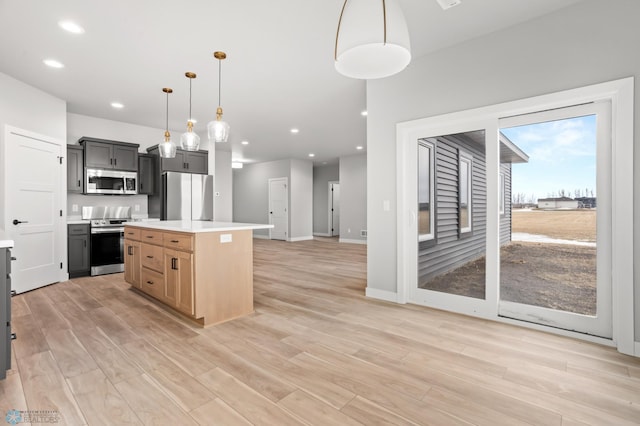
[(218, 130), (167, 148), (189, 140), (372, 40)]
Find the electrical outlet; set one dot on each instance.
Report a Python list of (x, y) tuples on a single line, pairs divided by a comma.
[(74, 207), (363, 233), (136, 208)]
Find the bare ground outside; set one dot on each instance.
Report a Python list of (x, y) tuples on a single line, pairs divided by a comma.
[(555, 276)]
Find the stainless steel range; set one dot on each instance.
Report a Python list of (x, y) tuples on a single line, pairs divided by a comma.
[(107, 238)]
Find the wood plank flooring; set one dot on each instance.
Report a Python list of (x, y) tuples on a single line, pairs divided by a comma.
[(315, 352)]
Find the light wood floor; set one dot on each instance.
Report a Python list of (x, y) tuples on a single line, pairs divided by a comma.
[(316, 351)]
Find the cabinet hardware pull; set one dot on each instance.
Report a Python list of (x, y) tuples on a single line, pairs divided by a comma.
[(79, 182), (173, 263), (130, 250), (115, 161), (175, 241), (150, 282), (149, 236), (111, 161), (150, 257)]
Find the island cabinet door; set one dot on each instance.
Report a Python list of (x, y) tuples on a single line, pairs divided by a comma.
[(179, 278), (132, 263)]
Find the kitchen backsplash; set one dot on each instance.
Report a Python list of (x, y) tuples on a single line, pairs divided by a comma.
[(132, 201)]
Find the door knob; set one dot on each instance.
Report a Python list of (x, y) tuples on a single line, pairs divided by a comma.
[(16, 221)]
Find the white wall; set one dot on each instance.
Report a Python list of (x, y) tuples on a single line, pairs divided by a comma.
[(301, 200), (28, 108), (251, 191), (223, 203), (353, 197), (591, 42), (322, 175)]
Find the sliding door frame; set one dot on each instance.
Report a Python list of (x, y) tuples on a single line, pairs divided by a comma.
[(620, 94)]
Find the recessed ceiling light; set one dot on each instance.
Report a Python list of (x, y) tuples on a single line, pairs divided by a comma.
[(312, 155), (53, 63), (245, 142), (294, 130), (236, 165), (71, 26), (447, 4), (359, 147), (117, 105), (364, 113)]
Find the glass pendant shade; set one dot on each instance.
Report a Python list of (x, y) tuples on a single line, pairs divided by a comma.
[(189, 140), (218, 130), (372, 40), (167, 148)]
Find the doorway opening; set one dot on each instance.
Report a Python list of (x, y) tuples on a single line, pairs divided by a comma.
[(279, 208), (334, 208)]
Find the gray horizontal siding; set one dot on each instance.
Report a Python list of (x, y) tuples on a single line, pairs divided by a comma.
[(505, 220), (451, 251)]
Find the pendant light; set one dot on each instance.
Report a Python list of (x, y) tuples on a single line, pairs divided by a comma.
[(167, 148), (372, 40), (189, 140), (217, 129)]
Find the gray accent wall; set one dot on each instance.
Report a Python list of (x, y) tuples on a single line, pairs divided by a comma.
[(353, 197), (588, 43), (251, 195), (223, 200), (322, 175)]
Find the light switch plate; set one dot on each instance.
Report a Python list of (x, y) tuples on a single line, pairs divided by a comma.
[(226, 238)]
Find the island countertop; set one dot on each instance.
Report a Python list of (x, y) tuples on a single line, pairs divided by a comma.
[(5, 242), (197, 226)]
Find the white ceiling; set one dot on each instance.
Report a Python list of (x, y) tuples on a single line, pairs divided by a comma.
[(278, 73)]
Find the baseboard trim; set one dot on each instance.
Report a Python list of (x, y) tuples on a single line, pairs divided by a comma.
[(321, 234), (388, 296), (261, 237), (346, 240), (637, 349), (293, 240)]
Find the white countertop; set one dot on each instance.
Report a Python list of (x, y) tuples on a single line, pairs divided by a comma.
[(4, 242), (77, 222), (197, 226)]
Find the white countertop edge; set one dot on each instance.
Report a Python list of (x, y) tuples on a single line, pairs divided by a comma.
[(78, 222), (6, 243), (198, 226)]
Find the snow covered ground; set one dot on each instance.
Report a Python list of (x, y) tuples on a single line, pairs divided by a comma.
[(534, 238)]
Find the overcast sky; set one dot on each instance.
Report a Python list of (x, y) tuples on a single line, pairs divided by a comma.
[(562, 155)]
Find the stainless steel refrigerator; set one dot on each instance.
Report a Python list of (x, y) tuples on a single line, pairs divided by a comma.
[(187, 196)]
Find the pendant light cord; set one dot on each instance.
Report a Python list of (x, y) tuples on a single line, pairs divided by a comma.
[(190, 99), (219, 80), (167, 114)]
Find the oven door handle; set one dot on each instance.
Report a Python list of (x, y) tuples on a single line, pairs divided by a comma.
[(107, 230)]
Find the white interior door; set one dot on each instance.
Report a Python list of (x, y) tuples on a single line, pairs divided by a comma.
[(278, 208), (33, 183), (334, 209)]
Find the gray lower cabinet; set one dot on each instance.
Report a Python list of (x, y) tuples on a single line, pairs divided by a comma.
[(78, 250), (146, 174), (5, 312), (75, 168)]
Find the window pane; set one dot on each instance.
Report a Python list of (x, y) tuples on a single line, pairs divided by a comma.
[(424, 189)]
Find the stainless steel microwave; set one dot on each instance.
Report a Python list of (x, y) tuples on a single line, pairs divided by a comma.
[(100, 181)]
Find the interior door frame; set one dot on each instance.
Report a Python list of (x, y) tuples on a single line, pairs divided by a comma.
[(60, 227), (620, 93), (330, 209)]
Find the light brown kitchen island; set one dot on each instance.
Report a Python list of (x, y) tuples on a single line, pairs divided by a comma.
[(201, 269)]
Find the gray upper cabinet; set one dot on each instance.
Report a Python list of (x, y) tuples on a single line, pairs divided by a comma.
[(75, 168), (196, 162), (146, 174), (105, 154)]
